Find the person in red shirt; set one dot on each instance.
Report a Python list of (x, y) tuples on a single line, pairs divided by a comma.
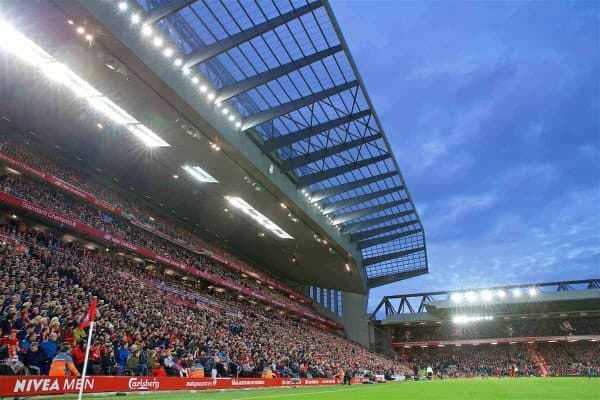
[(11, 342), (78, 354)]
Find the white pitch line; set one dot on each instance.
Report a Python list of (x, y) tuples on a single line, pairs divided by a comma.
[(303, 394)]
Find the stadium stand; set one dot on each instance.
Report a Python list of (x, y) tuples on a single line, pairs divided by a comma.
[(47, 286), (544, 329)]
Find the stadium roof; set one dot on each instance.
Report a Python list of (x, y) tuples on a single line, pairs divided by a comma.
[(537, 298), (285, 68), (281, 73)]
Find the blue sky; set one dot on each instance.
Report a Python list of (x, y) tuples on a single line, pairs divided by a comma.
[(493, 110)]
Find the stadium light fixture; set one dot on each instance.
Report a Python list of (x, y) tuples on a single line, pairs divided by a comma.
[(146, 30), (471, 297), (135, 19), (199, 174), (516, 292), (456, 297), (19, 45), (532, 292), (501, 293), (250, 211), (486, 295), (123, 5)]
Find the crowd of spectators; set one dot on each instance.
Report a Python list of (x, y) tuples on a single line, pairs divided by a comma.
[(470, 361), (20, 149), (148, 322), (530, 327), (571, 358), (49, 197)]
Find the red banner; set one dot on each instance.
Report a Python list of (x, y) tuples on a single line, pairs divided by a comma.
[(117, 241), (44, 385), (51, 179)]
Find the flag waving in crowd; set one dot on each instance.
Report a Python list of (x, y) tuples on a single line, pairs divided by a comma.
[(89, 316)]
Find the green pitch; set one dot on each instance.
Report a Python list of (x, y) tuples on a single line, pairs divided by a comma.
[(475, 389)]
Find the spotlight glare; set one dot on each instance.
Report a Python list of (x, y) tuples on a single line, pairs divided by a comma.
[(501, 293), (89, 37), (195, 80), (238, 124), (123, 5), (225, 111), (532, 292), (168, 52), (516, 292), (456, 297), (80, 30), (203, 88), (178, 62), (211, 96), (135, 19), (158, 42), (147, 30), (231, 117), (486, 295), (471, 297)]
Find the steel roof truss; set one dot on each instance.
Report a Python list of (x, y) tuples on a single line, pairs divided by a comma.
[(286, 108), (384, 257), (341, 204), (206, 53), (386, 239), (311, 179), (340, 219)]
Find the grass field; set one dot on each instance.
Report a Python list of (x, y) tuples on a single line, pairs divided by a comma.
[(475, 389)]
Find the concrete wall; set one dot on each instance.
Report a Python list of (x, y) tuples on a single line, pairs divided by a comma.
[(355, 317)]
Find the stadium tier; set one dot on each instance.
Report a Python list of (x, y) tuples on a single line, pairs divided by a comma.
[(166, 210)]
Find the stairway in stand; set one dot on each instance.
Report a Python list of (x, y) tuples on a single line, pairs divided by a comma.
[(539, 361)]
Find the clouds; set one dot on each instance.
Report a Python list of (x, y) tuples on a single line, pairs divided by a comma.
[(493, 111)]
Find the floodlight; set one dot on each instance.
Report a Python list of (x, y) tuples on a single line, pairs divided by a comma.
[(471, 297), (123, 5), (456, 297), (501, 293), (516, 292), (486, 295), (199, 174), (532, 292), (135, 18), (19, 45), (157, 41), (247, 209), (147, 30)]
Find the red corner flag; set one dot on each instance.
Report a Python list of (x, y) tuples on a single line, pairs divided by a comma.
[(89, 316)]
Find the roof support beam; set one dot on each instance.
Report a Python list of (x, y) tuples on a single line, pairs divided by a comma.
[(385, 239), (305, 133), (372, 232), (311, 179), (242, 86), (296, 162), (340, 219), (390, 256), (206, 53), (321, 194), (166, 9), (341, 204), (385, 279), (274, 112), (375, 221)]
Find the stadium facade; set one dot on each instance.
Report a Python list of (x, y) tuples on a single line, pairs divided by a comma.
[(247, 123)]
